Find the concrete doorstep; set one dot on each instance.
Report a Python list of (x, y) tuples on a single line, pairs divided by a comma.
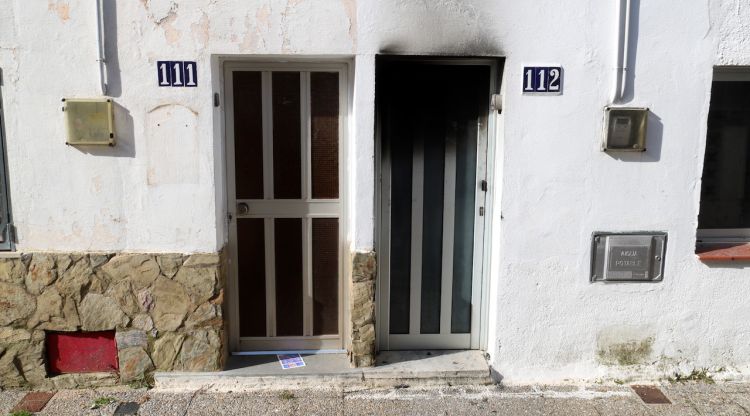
[(393, 368)]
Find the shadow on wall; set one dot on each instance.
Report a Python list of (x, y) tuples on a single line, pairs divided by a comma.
[(124, 137), (654, 137), (114, 84)]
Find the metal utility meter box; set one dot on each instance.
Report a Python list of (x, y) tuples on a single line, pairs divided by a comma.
[(89, 121), (625, 129), (628, 257)]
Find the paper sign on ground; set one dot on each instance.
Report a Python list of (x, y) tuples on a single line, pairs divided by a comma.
[(290, 361)]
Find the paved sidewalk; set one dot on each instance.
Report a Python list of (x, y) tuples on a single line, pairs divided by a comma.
[(687, 399)]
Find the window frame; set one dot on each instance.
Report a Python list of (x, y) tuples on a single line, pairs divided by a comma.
[(7, 230), (723, 235)]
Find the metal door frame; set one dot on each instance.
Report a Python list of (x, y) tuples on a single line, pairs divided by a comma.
[(239, 344), (480, 279)]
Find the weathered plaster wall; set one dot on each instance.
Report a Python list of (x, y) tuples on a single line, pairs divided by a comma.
[(558, 188), (546, 322)]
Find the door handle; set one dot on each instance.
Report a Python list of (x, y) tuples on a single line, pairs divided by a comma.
[(242, 208)]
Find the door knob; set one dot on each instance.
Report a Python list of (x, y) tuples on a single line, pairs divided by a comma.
[(242, 208)]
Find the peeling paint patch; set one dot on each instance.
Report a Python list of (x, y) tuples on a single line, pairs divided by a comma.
[(351, 12), (171, 34), (160, 10), (288, 10), (60, 8), (201, 29), (255, 29)]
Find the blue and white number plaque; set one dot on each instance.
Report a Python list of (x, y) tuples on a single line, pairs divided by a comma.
[(542, 80), (177, 73)]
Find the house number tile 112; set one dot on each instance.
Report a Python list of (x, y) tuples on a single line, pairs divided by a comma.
[(542, 80)]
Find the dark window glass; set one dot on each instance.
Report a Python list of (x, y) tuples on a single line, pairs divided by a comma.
[(325, 274), (324, 124), (287, 148), (288, 246), (252, 276), (725, 191), (248, 135)]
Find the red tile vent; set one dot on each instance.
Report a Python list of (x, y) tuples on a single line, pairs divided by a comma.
[(81, 352), (33, 402), (651, 395)]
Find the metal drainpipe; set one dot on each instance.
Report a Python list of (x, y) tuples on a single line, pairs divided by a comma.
[(622, 47), (100, 38)]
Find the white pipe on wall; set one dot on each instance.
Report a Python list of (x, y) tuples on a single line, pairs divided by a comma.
[(622, 47), (100, 38)]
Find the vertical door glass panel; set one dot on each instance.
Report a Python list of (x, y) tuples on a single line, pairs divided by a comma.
[(432, 228), (248, 134), (288, 254), (324, 124), (463, 232), (400, 273), (251, 277), (325, 274), (287, 147)]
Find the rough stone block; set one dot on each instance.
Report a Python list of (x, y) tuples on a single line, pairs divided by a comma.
[(206, 315), (12, 270), (200, 282), (15, 304), (169, 264), (143, 322), (166, 349), (122, 293), (48, 305), (363, 267), (140, 269), (74, 280), (202, 260), (97, 259), (41, 274), (127, 339), (201, 351), (101, 313), (363, 309), (134, 363), (170, 304)]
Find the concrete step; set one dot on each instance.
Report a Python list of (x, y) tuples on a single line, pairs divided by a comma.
[(446, 367), (392, 369)]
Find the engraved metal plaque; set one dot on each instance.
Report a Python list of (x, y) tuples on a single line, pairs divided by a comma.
[(628, 257)]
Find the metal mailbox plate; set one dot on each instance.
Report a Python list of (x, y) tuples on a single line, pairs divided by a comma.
[(628, 257)]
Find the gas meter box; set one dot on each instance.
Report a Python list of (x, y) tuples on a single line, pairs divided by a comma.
[(89, 121), (628, 257), (625, 129)]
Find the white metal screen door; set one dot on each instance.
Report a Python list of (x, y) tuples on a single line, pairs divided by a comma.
[(433, 129), (284, 132)]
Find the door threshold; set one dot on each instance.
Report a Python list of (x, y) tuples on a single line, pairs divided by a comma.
[(394, 368), (287, 352)]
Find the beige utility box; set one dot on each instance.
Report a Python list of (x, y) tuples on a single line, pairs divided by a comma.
[(89, 121)]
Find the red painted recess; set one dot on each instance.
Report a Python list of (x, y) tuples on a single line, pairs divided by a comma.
[(81, 352)]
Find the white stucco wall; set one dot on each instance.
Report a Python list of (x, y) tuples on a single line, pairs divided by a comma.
[(161, 191)]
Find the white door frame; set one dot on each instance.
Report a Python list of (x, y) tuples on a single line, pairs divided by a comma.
[(477, 339), (315, 209)]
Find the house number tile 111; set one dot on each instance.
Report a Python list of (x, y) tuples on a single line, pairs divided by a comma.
[(177, 73), (542, 80)]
